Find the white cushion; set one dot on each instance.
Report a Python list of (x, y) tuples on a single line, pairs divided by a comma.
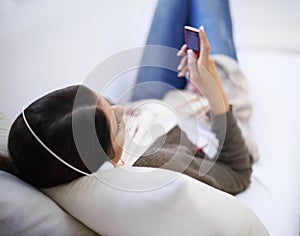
[(144, 201), (25, 210), (275, 127)]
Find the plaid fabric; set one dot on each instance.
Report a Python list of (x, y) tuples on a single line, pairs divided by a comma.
[(182, 108), (236, 87)]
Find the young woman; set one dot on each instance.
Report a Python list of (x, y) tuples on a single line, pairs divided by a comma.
[(45, 153)]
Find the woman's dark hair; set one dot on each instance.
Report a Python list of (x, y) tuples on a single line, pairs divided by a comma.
[(52, 118), (6, 164)]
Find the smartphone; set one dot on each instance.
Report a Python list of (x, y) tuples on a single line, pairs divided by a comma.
[(191, 37)]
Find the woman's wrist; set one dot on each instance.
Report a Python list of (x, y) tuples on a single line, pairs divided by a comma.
[(218, 102), (213, 91)]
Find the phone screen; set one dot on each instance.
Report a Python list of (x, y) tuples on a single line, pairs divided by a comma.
[(192, 40)]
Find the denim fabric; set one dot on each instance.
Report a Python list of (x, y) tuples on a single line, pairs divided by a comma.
[(167, 30)]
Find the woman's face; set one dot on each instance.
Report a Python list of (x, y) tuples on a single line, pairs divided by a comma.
[(114, 115)]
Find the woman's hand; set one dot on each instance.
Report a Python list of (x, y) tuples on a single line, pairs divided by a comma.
[(203, 74)]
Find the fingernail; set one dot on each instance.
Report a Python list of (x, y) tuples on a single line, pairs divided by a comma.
[(202, 28)]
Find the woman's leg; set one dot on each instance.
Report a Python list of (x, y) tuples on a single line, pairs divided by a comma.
[(166, 30), (214, 15)]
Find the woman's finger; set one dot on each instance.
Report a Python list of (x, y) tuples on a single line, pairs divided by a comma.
[(183, 72), (182, 63), (192, 62), (205, 47), (182, 51)]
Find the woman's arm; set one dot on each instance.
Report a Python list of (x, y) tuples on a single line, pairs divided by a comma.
[(231, 168), (203, 75), (229, 172)]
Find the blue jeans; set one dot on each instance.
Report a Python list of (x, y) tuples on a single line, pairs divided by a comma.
[(167, 30)]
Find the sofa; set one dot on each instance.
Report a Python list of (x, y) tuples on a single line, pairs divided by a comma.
[(62, 47)]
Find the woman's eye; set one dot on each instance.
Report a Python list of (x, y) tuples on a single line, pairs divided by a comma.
[(120, 125)]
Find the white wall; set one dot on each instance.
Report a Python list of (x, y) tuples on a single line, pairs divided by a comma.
[(267, 24), (45, 45)]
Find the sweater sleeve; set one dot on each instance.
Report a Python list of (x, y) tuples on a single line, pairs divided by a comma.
[(229, 170), (232, 149)]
